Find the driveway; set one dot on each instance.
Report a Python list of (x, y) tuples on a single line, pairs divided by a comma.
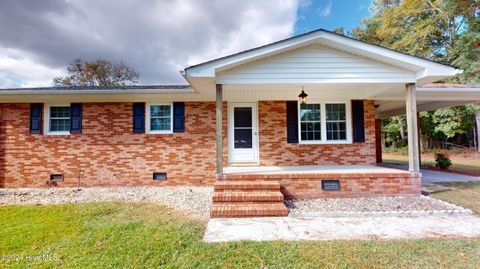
[(430, 177)]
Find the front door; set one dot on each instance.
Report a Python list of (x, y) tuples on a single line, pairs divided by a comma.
[(243, 133)]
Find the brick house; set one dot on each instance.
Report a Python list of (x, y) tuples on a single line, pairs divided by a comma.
[(238, 118)]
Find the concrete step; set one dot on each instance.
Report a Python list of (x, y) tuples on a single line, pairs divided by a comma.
[(247, 185), (239, 210), (247, 196)]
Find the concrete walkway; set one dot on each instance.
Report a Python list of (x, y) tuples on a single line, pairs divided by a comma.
[(291, 228), (430, 177)]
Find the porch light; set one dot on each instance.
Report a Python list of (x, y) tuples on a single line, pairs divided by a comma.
[(303, 97)]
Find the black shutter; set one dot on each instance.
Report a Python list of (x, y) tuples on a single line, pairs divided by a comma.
[(36, 118), (139, 117), (358, 121), (76, 118), (178, 117), (292, 122)]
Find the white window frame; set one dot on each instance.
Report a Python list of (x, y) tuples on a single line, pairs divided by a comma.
[(46, 120), (323, 123), (147, 119)]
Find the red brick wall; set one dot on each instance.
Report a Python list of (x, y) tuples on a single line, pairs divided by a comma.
[(274, 149), (107, 151)]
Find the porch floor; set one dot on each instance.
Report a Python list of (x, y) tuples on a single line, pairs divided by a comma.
[(311, 169)]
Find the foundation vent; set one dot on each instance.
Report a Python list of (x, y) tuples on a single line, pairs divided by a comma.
[(159, 176), (331, 185)]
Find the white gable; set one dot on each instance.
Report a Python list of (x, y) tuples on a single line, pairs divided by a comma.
[(315, 64), (336, 59)]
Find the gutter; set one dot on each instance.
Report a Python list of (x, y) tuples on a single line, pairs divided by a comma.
[(80, 92)]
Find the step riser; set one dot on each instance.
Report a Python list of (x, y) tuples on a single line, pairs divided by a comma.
[(237, 199), (229, 198), (248, 214), (247, 197)]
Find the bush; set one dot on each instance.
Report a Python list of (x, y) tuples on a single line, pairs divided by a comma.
[(442, 161)]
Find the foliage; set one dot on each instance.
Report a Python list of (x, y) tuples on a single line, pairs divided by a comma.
[(446, 31), (146, 235), (97, 73), (442, 161)]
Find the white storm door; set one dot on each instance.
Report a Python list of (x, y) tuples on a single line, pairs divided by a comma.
[(243, 133)]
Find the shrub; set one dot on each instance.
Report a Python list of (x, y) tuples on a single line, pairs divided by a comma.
[(442, 161)]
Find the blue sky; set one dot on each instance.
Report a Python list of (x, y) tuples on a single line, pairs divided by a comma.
[(330, 14)]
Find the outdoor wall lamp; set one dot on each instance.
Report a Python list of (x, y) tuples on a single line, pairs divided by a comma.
[(303, 97)]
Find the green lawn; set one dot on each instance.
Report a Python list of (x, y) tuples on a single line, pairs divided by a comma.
[(467, 162), (139, 235)]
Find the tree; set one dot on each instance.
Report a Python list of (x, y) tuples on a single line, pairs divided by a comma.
[(97, 73), (441, 30), (446, 31)]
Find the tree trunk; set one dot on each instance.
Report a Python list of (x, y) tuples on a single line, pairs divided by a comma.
[(477, 123)]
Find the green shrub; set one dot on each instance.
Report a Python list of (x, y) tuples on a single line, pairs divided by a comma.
[(442, 161)]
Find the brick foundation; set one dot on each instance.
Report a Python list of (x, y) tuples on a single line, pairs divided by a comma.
[(308, 185)]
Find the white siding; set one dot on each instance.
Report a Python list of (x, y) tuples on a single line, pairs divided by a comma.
[(315, 64)]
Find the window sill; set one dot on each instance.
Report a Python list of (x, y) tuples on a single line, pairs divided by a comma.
[(159, 132), (57, 133), (332, 142)]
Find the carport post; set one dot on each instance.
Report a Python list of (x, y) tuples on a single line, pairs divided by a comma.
[(412, 127)]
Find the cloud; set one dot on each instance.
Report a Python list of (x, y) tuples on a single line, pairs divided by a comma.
[(325, 11), (156, 37)]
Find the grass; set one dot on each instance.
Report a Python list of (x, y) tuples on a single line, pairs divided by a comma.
[(142, 235), (466, 162)]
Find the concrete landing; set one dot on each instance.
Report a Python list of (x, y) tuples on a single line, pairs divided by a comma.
[(292, 228)]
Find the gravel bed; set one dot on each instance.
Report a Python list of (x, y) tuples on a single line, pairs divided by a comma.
[(396, 205), (194, 200)]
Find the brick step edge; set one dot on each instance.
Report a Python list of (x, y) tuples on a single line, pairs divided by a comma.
[(247, 185), (236, 210), (249, 196)]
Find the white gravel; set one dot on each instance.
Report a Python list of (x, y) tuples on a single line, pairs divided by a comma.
[(370, 204), (194, 200)]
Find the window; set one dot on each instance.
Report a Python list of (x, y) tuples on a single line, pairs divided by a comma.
[(324, 123), (336, 121), (159, 118), (310, 123), (57, 119)]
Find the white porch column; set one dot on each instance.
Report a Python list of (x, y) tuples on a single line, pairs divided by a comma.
[(412, 127), (219, 133), (477, 118)]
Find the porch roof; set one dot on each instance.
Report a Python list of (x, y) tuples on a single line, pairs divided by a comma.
[(430, 97), (396, 67)]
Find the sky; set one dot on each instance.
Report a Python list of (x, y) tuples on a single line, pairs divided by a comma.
[(157, 38)]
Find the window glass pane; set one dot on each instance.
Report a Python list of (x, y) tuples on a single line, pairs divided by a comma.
[(160, 124), (160, 117), (243, 138), (59, 119), (59, 125), (310, 112), (60, 112), (310, 127), (336, 131), (242, 117), (335, 111), (160, 111), (336, 121)]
